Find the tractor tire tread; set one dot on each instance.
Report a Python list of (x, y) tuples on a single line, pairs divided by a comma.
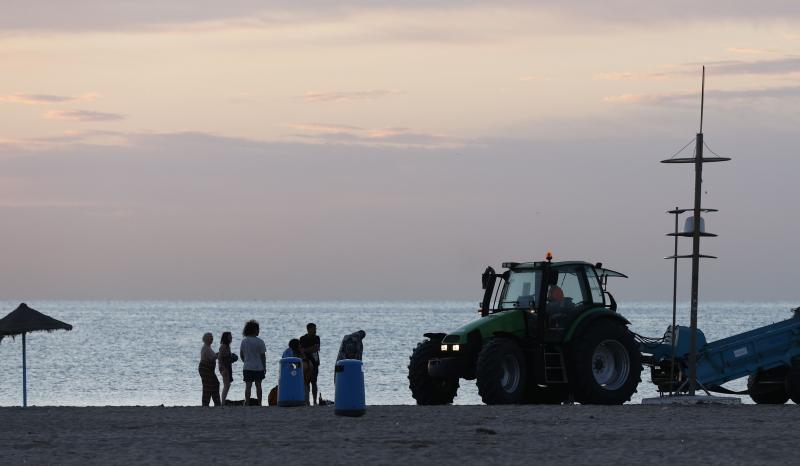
[(775, 393), (582, 384), (489, 372), (424, 388)]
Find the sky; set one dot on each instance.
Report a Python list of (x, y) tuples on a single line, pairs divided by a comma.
[(378, 150)]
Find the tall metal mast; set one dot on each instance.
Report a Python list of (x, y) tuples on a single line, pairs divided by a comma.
[(698, 193), (696, 232)]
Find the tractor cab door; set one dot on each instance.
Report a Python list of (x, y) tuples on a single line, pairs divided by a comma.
[(595, 286), (568, 295), (603, 275)]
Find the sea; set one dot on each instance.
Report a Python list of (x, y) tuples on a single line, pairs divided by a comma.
[(128, 353)]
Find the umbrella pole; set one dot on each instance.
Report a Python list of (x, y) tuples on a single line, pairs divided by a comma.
[(24, 376)]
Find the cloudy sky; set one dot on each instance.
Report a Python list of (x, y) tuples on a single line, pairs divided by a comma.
[(388, 150)]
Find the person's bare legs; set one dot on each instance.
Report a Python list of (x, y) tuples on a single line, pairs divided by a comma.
[(215, 396), (314, 390), (247, 387), (225, 387), (258, 392)]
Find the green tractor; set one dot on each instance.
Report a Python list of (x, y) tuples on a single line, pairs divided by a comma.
[(548, 333)]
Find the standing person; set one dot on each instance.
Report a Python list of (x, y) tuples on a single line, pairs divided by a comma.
[(226, 360), (309, 344), (254, 356), (351, 348), (293, 350), (206, 368)]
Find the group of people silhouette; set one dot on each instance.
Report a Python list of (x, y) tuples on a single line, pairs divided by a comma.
[(252, 352)]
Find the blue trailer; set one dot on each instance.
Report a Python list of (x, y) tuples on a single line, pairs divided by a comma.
[(769, 356)]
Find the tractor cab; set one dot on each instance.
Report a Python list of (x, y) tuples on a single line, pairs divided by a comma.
[(556, 286)]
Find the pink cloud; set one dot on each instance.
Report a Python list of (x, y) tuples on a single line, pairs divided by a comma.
[(81, 115), (340, 96), (347, 134), (324, 127), (750, 51), (629, 98), (614, 76), (46, 99), (783, 92), (68, 138), (377, 133)]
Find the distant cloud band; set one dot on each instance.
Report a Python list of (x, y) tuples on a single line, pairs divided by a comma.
[(82, 115), (775, 66), (774, 92), (313, 96), (347, 134), (44, 99)]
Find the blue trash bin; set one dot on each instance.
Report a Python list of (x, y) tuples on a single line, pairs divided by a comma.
[(291, 390), (349, 388)]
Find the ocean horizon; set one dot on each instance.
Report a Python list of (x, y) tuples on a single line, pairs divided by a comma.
[(145, 352)]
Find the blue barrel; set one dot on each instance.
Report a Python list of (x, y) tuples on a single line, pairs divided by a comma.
[(349, 388), (291, 390)]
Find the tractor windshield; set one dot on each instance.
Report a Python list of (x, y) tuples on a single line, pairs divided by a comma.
[(521, 290)]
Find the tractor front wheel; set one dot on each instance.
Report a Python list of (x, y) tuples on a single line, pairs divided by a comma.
[(502, 372), (605, 365), (769, 387), (425, 389)]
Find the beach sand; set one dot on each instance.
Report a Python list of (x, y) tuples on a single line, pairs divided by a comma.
[(401, 434)]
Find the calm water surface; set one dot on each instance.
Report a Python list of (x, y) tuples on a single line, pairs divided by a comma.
[(146, 352)]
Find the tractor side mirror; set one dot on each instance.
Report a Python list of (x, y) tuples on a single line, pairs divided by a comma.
[(488, 278)]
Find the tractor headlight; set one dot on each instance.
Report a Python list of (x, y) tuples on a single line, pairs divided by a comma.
[(444, 348), (456, 347)]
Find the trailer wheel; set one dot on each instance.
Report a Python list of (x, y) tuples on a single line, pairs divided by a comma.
[(501, 372), (769, 387), (605, 365), (793, 383), (424, 388)]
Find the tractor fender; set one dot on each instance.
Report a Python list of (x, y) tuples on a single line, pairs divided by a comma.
[(587, 318), (507, 335), (435, 336)]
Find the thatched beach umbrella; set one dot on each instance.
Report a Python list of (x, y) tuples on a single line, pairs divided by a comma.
[(25, 320)]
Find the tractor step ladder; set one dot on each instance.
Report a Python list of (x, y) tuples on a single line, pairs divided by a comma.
[(554, 370)]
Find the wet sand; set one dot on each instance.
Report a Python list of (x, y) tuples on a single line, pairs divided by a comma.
[(402, 434)]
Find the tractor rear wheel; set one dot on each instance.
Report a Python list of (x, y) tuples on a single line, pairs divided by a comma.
[(502, 372), (425, 389), (769, 387), (605, 365), (793, 383)]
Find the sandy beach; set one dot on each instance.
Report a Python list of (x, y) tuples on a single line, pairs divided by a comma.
[(401, 434)]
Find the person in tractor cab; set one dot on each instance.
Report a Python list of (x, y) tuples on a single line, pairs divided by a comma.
[(555, 294), (557, 301)]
